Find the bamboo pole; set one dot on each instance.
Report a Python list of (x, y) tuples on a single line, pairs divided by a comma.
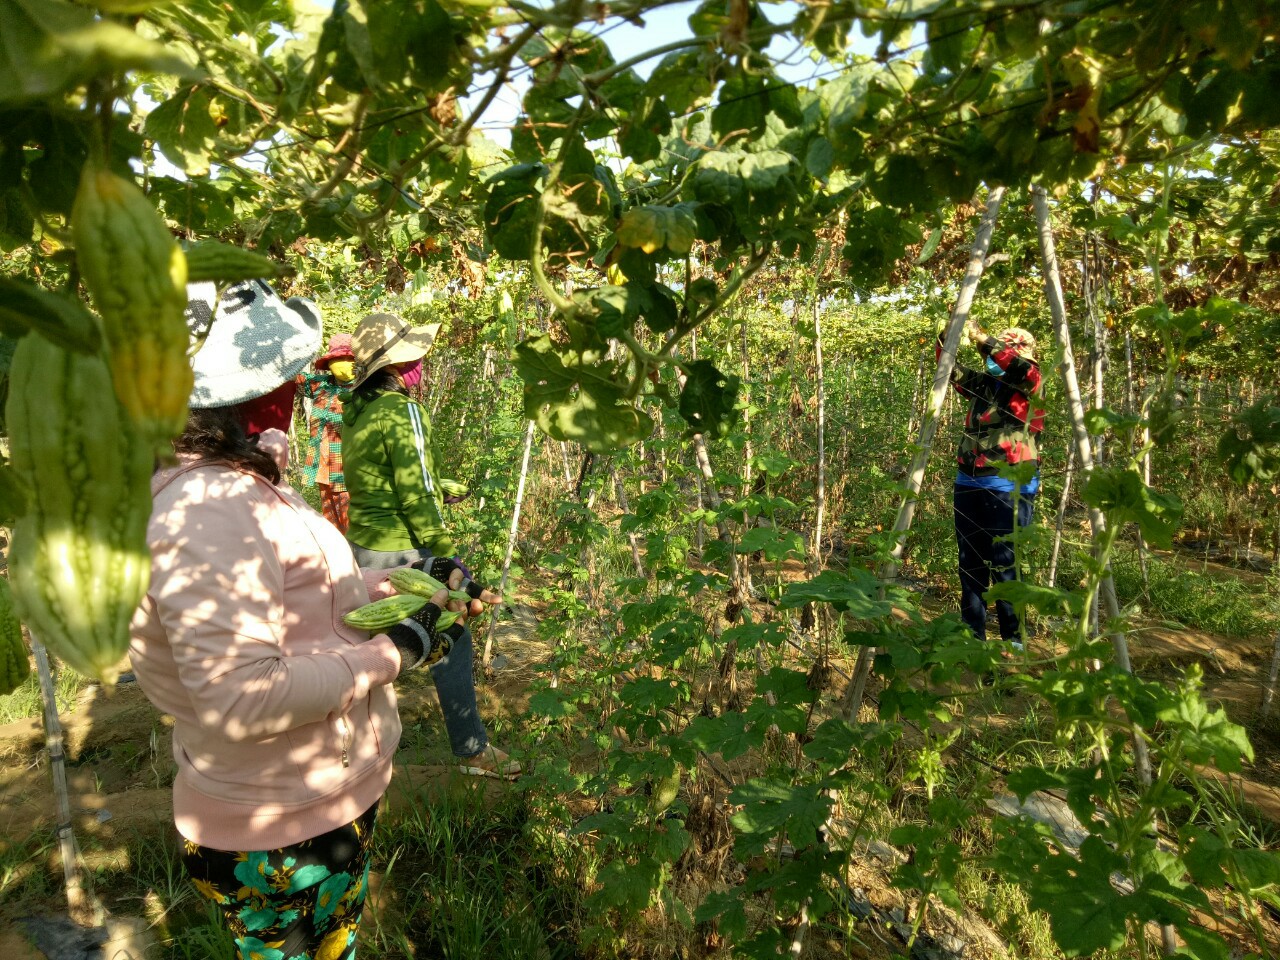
[(928, 428), (1097, 521), (1130, 408), (487, 658), (626, 508), (1062, 515), (82, 906), (820, 493), (748, 451)]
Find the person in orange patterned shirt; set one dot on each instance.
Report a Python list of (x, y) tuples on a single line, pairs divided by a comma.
[(326, 387)]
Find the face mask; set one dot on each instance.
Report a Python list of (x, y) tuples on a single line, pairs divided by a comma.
[(412, 376), (274, 411), (994, 368), (344, 371)]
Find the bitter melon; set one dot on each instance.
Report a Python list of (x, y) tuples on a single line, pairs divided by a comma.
[(137, 277), (383, 613), (79, 563), (409, 580), (380, 614)]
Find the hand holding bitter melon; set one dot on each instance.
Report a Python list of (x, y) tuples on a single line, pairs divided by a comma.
[(450, 573), (418, 625)]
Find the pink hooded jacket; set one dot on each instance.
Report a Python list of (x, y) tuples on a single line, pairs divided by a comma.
[(286, 722)]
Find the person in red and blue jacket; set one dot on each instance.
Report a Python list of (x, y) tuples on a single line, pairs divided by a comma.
[(1000, 429)]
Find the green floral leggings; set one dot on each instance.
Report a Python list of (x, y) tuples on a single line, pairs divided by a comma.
[(302, 902)]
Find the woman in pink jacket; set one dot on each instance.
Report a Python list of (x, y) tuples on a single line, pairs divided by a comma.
[(285, 718)]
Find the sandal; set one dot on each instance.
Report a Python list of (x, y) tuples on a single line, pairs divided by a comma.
[(491, 762)]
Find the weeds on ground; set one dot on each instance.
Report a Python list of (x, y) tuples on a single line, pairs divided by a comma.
[(26, 700)]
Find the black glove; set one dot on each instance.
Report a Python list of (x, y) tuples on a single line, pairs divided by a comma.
[(416, 638), (442, 567)]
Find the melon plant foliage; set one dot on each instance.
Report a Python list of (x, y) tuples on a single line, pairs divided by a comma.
[(292, 125), (633, 203)]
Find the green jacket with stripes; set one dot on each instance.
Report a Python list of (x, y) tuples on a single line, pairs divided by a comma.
[(389, 465)]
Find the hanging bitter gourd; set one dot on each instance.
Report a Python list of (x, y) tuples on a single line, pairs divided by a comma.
[(14, 665), (137, 276), (79, 563)]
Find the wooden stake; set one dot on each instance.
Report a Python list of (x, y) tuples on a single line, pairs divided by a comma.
[(1062, 515), (626, 508), (82, 906), (820, 493), (1269, 688), (511, 546)]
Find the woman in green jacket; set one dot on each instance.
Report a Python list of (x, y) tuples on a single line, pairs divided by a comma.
[(395, 514)]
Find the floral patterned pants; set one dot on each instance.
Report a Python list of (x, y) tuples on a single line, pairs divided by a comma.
[(302, 902)]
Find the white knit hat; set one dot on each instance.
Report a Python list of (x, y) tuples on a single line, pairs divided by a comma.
[(254, 342)]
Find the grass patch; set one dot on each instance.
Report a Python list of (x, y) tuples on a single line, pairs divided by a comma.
[(1224, 606), (463, 878), (25, 701)]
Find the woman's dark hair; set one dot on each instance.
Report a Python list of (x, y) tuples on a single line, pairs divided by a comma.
[(386, 380), (216, 435)]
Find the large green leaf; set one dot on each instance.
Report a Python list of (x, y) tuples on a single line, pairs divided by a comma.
[(185, 129), (708, 399), (1120, 493), (653, 228), (573, 399), (769, 807), (49, 46)]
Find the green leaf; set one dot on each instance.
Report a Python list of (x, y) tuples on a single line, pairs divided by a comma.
[(1051, 601), (746, 100), (1085, 912), (1207, 734), (728, 735), (50, 46), (625, 885), (875, 241), (571, 398), (1249, 448), (184, 129), (1120, 494), (430, 44), (769, 807), (777, 543), (60, 318), (1099, 420), (511, 210), (856, 593), (727, 909), (550, 704), (708, 399), (1201, 944), (654, 228)]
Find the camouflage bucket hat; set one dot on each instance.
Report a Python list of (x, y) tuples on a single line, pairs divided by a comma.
[(1019, 341)]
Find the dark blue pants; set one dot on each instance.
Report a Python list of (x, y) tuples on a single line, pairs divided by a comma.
[(984, 525)]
